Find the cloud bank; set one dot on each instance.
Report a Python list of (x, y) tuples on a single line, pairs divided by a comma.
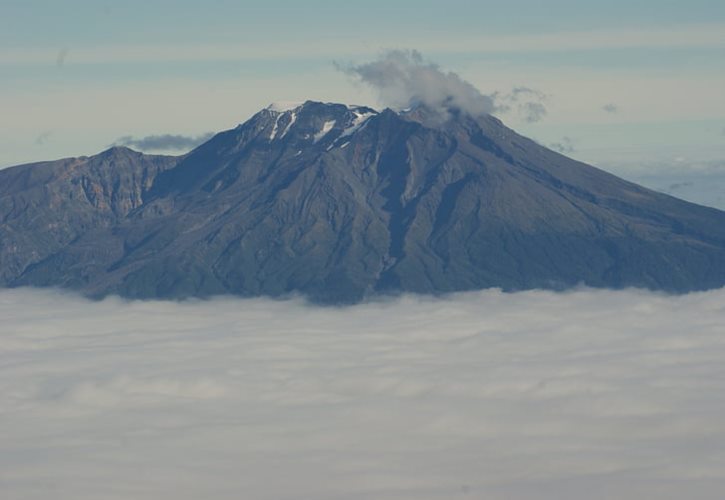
[(697, 181), (535, 395), (163, 142)]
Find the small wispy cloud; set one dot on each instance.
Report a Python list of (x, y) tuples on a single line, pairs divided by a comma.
[(527, 103), (564, 146), (61, 57), (163, 142), (679, 185), (610, 108), (43, 138), (533, 112)]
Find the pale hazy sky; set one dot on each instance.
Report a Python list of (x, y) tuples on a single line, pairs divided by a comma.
[(625, 82)]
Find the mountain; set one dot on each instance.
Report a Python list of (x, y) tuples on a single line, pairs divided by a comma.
[(340, 202)]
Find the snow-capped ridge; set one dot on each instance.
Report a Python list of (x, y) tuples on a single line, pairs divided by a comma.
[(326, 127), (339, 120)]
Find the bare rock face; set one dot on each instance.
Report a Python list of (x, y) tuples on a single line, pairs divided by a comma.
[(50, 211), (339, 203)]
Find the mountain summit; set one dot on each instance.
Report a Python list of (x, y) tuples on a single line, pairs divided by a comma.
[(341, 202)]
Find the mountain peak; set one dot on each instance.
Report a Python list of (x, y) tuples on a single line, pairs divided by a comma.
[(311, 122), (291, 106), (284, 106), (339, 202), (119, 151)]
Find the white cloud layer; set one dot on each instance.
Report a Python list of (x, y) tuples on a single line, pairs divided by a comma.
[(535, 395)]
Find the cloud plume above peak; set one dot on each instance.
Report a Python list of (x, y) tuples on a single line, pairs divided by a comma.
[(403, 79)]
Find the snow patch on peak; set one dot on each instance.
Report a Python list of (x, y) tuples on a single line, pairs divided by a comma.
[(284, 106), (357, 108), (360, 119), (292, 120), (325, 129), (274, 129)]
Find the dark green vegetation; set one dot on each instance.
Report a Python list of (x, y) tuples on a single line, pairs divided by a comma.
[(382, 202)]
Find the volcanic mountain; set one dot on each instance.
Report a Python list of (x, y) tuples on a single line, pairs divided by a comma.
[(340, 203)]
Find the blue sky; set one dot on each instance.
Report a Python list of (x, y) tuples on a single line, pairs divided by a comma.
[(77, 75), (43, 22)]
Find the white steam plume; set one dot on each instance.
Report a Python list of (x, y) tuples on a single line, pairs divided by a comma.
[(404, 79)]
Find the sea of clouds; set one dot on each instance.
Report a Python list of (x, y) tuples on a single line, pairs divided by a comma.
[(533, 395)]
